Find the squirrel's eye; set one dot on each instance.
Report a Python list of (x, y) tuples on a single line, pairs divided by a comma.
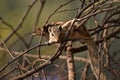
[(52, 34)]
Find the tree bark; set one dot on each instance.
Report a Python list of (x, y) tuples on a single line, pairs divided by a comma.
[(70, 63)]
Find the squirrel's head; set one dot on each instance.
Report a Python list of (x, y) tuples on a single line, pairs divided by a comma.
[(55, 32), (52, 30)]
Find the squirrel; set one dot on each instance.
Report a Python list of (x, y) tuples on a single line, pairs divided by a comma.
[(56, 32)]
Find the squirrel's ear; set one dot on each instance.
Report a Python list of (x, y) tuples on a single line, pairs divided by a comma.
[(59, 27), (37, 31)]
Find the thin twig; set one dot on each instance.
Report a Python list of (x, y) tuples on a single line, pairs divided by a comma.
[(21, 21), (58, 9), (10, 26)]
